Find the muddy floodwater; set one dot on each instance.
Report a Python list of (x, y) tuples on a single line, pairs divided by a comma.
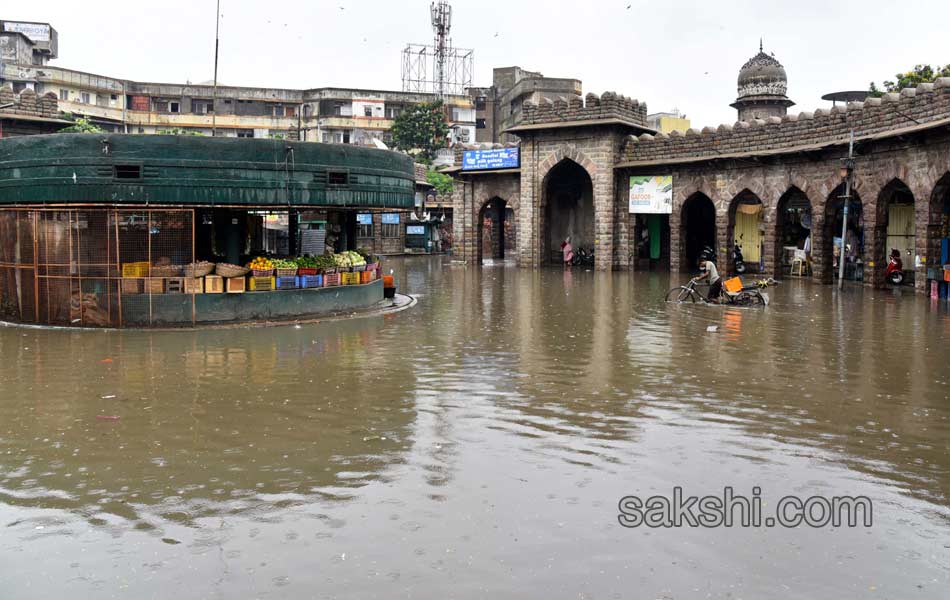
[(477, 446)]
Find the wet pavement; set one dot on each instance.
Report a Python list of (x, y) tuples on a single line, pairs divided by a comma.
[(477, 445)]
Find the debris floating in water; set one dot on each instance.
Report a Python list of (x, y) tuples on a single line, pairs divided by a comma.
[(712, 328), (108, 397), (108, 417)]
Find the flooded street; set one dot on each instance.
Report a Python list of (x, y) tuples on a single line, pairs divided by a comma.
[(477, 446)]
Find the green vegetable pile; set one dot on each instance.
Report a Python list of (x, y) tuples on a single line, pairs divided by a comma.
[(349, 259), (284, 263)]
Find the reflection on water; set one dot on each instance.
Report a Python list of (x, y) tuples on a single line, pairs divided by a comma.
[(477, 445)]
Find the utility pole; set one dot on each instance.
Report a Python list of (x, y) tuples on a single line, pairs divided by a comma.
[(847, 170), (214, 89)]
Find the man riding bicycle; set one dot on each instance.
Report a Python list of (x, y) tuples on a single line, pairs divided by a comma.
[(710, 274)]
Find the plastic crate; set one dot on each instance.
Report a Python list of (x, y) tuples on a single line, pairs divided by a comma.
[(331, 279), (135, 269), (286, 283), (309, 281), (349, 278), (260, 284), (214, 284), (733, 285), (306, 271), (367, 276), (284, 273)]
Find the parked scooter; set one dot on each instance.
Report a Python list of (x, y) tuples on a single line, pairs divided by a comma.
[(895, 268), (737, 259)]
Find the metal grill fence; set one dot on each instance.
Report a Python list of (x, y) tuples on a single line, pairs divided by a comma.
[(96, 267)]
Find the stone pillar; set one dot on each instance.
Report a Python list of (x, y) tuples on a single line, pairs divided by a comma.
[(676, 247), (821, 261), (723, 242), (771, 259), (603, 219)]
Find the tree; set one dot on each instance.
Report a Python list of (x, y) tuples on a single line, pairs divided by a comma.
[(441, 182), (919, 74), (81, 125), (421, 130)]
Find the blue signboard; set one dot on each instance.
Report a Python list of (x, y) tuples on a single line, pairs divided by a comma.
[(415, 229), (499, 158), (390, 218), (364, 219)]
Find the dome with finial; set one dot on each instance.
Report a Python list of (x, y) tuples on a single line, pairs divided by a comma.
[(762, 75)]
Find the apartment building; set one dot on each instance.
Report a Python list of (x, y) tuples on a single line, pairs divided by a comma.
[(333, 115)]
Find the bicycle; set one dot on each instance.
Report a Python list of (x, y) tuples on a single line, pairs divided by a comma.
[(749, 295)]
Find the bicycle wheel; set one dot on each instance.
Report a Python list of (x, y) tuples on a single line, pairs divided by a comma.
[(681, 294)]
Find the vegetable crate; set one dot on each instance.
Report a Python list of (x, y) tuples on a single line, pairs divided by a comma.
[(367, 276), (132, 286), (306, 271), (154, 285), (262, 272), (234, 285), (287, 273), (135, 269), (286, 283), (309, 281), (175, 285), (260, 284), (194, 285), (331, 279), (350, 278), (214, 284)]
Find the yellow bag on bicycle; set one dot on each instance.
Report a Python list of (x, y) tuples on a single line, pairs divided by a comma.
[(733, 286)]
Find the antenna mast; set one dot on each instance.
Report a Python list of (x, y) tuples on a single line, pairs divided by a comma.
[(441, 25)]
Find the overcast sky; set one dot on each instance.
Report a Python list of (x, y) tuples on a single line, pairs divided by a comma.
[(670, 54)]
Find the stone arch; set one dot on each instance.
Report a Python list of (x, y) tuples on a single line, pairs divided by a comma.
[(569, 153), (567, 209), (794, 224), (857, 231), (745, 225), (495, 230), (894, 227), (697, 229)]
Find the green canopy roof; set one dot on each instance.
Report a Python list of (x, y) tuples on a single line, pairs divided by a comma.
[(117, 169)]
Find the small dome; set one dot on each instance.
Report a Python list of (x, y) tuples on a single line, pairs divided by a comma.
[(762, 75)]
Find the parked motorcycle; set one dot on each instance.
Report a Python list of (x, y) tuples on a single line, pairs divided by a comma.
[(895, 268), (584, 257), (737, 259)]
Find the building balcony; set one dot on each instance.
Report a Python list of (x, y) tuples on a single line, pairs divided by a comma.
[(186, 120), (335, 122)]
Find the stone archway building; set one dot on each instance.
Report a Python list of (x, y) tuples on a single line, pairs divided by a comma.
[(902, 138)]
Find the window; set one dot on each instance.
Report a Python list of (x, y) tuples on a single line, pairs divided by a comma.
[(113, 97), (127, 172), (327, 138), (84, 97), (393, 111), (247, 133), (364, 231), (201, 107), (346, 137), (479, 123), (480, 103), (174, 107), (390, 230), (367, 110), (338, 178), (64, 95), (290, 111)]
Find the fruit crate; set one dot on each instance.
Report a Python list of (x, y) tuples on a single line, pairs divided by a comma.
[(132, 286), (287, 272), (301, 271), (286, 283), (367, 276), (349, 278), (234, 285), (135, 269), (260, 284), (194, 285), (262, 272), (154, 285), (331, 279), (214, 284), (309, 281), (175, 285)]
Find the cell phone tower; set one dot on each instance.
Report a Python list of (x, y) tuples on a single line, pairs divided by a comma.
[(451, 68), (441, 25)]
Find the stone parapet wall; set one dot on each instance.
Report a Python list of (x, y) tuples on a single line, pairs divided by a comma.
[(927, 102), (28, 103), (592, 108)]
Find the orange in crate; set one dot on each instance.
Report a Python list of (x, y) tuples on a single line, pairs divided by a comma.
[(733, 286)]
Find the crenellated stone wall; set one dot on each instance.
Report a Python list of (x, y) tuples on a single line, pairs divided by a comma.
[(27, 103), (925, 103), (593, 108)]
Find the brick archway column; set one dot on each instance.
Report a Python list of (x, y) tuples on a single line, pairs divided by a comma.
[(603, 184), (723, 243), (821, 267), (676, 249), (770, 257), (926, 233)]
